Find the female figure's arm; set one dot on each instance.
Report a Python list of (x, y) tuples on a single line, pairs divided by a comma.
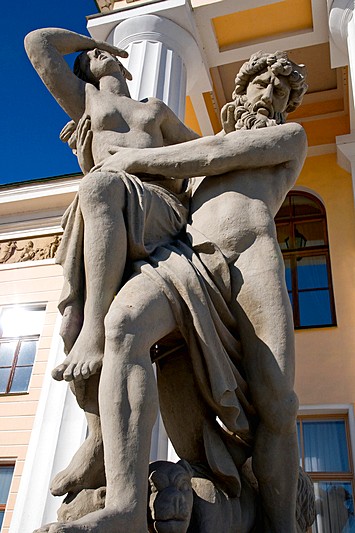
[(46, 48)]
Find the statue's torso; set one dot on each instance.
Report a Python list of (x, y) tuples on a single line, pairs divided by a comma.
[(235, 209), (120, 121)]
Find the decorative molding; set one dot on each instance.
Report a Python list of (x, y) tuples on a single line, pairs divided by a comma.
[(105, 5), (321, 149), (346, 152), (24, 250)]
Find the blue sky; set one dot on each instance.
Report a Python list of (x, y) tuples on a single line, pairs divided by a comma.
[(31, 119)]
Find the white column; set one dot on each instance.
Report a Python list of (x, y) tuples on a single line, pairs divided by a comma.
[(342, 41), (58, 430), (342, 47), (155, 59), (160, 54)]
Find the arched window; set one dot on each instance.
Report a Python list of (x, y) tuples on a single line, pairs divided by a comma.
[(302, 235)]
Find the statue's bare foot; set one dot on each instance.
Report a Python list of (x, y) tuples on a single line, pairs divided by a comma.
[(84, 359), (104, 521), (72, 323), (85, 471)]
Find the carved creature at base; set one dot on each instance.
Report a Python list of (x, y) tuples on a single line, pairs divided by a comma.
[(181, 500)]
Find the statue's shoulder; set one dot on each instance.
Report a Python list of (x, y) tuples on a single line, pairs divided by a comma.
[(294, 131)]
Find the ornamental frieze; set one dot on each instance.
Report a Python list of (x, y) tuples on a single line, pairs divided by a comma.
[(33, 249)]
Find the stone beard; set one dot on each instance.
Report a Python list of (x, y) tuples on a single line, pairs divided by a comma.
[(249, 117)]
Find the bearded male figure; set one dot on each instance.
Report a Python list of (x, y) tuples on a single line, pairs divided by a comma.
[(248, 174), (256, 168)]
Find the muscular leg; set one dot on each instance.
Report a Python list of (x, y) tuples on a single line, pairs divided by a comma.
[(266, 328), (102, 200), (138, 317), (86, 468)]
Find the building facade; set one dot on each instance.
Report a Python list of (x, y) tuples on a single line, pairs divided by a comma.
[(187, 54)]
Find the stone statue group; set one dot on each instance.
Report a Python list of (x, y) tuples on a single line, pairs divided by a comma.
[(170, 242)]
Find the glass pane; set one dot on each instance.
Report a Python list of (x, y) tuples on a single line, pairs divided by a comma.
[(283, 236), (27, 353), (334, 507), (304, 206), (4, 379), (17, 321), (2, 514), (284, 211), (312, 272), (315, 308), (5, 482), (309, 234), (325, 446), (299, 442), (7, 352), (21, 379)]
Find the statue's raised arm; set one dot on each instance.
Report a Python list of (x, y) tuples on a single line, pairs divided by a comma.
[(46, 48)]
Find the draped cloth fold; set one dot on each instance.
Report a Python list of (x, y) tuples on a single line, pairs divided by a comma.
[(194, 275)]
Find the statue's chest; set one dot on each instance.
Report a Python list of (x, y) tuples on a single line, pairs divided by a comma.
[(120, 115)]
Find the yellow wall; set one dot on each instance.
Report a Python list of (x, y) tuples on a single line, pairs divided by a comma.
[(325, 361), (23, 285), (255, 24)]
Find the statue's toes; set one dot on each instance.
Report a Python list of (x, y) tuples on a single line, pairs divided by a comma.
[(58, 371)]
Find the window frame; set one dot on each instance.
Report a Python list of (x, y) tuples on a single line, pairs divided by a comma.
[(6, 463), (19, 339), (294, 254), (324, 477)]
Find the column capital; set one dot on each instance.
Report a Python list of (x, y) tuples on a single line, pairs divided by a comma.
[(340, 14), (168, 21), (161, 29)]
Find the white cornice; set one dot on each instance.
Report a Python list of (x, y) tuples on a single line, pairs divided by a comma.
[(38, 190), (178, 11), (35, 208)]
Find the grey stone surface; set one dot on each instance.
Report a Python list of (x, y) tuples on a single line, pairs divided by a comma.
[(182, 499), (211, 292)]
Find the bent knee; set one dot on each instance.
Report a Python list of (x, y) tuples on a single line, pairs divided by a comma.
[(101, 186), (280, 413), (124, 328)]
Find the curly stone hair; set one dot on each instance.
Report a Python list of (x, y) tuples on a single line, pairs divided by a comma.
[(280, 65)]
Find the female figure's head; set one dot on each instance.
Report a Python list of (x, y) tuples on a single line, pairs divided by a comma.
[(91, 65)]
